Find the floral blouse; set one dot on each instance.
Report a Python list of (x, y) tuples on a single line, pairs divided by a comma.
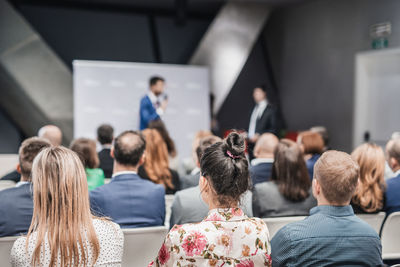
[(226, 237)]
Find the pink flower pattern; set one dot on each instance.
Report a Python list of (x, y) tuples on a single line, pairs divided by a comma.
[(224, 238)]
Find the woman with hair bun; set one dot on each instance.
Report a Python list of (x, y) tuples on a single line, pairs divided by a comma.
[(226, 237)]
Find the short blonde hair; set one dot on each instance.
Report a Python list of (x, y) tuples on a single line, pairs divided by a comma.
[(338, 175)]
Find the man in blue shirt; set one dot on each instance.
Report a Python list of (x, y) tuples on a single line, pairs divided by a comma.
[(16, 204), (153, 105), (393, 185), (128, 199), (332, 235)]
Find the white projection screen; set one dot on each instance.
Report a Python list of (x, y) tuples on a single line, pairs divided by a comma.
[(110, 92)]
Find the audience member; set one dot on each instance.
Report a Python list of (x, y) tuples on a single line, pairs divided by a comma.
[(289, 191), (162, 130), (86, 150), (105, 136), (261, 166), (226, 236), (193, 179), (63, 232), (393, 184), (188, 207), (312, 145), (332, 235), (50, 132), (128, 199), (324, 134), (16, 204), (370, 192), (156, 167)]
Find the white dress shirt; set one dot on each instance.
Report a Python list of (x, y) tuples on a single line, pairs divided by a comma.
[(255, 115), (154, 99)]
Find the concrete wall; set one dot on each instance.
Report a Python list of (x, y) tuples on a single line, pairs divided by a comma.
[(312, 47)]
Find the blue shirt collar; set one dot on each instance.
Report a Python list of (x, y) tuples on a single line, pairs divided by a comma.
[(337, 211)]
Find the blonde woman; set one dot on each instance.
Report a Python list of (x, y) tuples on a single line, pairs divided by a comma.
[(369, 195), (63, 231)]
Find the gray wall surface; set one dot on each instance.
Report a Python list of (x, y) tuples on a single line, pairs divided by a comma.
[(312, 47)]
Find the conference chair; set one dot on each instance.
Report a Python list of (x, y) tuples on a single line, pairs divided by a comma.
[(6, 244), (141, 245), (374, 220), (390, 237), (276, 223), (8, 162), (6, 184)]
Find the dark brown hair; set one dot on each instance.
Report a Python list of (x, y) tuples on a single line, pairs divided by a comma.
[(105, 134), (289, 171), (225, 165), (206, 142), (86, 150), (312, 142), (27, 153), (162, 130)]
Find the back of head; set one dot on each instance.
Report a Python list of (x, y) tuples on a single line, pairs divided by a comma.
[(265, 145), (129, 147), (27, 153), (206, 142), (393, 151), (105, 134), (61, 208), (157, 163), (51, 133), (312, 142), (196, 141), (225, 166), (370, 189), (85, 148), (323, 132), (289, 171), (337, 173), (162, 130)]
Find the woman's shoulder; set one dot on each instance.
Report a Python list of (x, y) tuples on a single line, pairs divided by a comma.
[(105, 227)]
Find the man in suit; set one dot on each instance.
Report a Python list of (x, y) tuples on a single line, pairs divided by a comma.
[(193, 179), (263, 118), (105, 136), (128, 199), (332, 235), (49, 132), (16, 204), (393, 184), (261, 166), (153, 105)]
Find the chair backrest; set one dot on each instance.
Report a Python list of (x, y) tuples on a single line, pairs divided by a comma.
[(8, 162), (6, 184), (374, 220), (6, 244), (141, 245), (391, 237), (169, 199), (274, 224)]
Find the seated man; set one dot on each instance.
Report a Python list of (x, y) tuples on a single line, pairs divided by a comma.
[(393, 185), (332, 235), (16, 204), (105, 136), (188, 206), (128, 199), (261, 166)]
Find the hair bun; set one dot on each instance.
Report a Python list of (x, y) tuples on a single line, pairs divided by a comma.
[(235, 143)]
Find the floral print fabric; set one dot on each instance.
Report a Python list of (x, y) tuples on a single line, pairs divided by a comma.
[(226, 237)]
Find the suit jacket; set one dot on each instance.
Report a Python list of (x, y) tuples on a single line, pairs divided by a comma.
[(130, 201), (261, 172), (175, 180), (189, 207), (190, 180), (267, 123), (13, 176), (106, 162), (392, 195), (269, 202), (310, 164), (147, 112), (16, 209)]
